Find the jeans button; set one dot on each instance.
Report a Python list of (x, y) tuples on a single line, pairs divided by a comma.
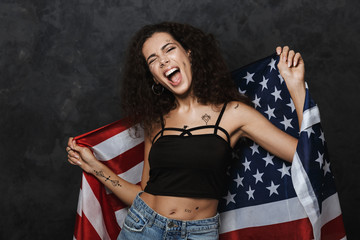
[(170, 224)]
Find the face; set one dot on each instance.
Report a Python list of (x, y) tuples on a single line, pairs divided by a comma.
[(169, 63)]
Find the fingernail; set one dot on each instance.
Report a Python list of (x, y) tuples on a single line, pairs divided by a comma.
[(295, 63), (289, 64), (78, 162)]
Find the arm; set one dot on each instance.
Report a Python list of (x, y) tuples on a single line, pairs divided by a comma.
[(259, 129), (125, 191), (292, 69), (256, 127)]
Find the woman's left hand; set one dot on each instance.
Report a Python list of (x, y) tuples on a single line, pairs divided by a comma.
[(291, 67)]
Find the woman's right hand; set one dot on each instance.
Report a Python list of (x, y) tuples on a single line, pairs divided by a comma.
[(81, 156)]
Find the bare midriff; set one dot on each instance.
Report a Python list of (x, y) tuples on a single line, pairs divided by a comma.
[(181, 208)]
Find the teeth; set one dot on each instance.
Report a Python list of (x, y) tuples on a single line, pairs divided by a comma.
[(170, 71)]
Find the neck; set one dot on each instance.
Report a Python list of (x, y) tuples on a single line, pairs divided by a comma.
[(185, 104)]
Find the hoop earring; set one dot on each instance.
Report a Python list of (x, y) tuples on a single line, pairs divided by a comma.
[(157, 89)]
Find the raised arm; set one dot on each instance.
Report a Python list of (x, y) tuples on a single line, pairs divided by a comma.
[(124, 190), (255, 126), (292, 69)]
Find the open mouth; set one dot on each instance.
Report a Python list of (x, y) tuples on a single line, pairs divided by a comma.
[(173, 75)]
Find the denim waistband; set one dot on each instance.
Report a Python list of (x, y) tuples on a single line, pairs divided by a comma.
[(173, 224)]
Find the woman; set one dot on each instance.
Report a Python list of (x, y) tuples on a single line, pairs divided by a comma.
[(178, 87)]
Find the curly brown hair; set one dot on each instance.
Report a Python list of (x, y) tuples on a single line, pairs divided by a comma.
[(212, 83)]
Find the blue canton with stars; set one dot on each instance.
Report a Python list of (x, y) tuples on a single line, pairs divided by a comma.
[(258, 177)]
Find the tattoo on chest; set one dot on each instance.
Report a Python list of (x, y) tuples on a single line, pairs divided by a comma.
[(115, 183), (206, 118)]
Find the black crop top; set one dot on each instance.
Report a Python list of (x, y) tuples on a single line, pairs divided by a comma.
[(188, 165)]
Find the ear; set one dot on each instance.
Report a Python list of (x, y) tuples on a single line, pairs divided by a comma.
[(156, 82)]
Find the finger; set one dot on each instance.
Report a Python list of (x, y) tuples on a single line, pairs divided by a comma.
[(74, 160), (70, 141), (73, 154), (68, 149), (284, 54), (278, 50), (297, 59), (71, 162), (291, 57)]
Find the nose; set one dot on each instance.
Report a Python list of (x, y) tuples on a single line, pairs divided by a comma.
[(163, 60)]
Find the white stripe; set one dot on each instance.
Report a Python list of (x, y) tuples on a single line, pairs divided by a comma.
[(306, 194), (117, 144), (74, 238), (262, 215), (330, 209), (133, 175), (120, 216), (79, 207), (92, 210), (311, 117)]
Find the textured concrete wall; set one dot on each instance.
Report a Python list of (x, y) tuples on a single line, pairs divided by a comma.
[(59, 65)]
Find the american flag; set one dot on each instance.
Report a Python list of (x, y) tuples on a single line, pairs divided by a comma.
[(267, 198)]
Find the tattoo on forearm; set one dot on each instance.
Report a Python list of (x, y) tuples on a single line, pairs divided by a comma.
[(237, 105), (115, 183), (206, 118)]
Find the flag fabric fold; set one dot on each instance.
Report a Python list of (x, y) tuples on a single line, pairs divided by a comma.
[(267, 198)]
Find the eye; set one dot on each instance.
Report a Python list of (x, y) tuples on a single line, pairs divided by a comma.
[(151, 61), (170, 49)]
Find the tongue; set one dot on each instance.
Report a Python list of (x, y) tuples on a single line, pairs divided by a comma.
[(175, 78)]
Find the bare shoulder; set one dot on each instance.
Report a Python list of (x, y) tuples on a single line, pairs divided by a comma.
[(240, 110), (236, 116)]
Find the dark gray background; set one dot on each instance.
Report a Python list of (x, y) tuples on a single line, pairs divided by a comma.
[(60, 61)]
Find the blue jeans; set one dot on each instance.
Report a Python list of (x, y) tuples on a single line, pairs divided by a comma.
[(144, 223)]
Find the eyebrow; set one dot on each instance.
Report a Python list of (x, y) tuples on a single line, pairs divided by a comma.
[(162, 48)]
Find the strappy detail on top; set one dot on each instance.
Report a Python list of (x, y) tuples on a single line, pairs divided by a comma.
[(187, 132)]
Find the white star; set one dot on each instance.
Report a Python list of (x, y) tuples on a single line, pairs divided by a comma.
[(322, 137), (326, 167), (263, 83), (250, 192), (291, 105), (281, 79), (320, 159), (284, 170), (276, 94), (272, 64), (249, 78), (246, 165), (273, 188), (256, 101), (258, 176), (239, 180), (268, 159), (241, 91), (230, 198), (270, 112), (254, 148), (287, 123), (309, 131)]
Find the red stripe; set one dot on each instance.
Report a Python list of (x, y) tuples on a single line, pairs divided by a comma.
[(84, 229), (101, 134), (108, 205), (299, 229), (108, 212), (127, 160), (333, 230)]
